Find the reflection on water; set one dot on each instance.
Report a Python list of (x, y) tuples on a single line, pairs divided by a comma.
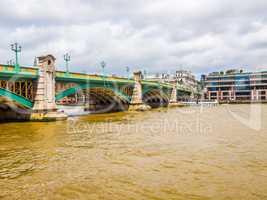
[(183, 153)]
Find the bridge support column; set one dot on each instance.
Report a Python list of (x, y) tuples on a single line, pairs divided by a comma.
[(173, 100), (137, 103), (44, 108)]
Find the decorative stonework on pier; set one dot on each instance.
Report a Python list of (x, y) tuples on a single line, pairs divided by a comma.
[(137, 103), (44, 102)]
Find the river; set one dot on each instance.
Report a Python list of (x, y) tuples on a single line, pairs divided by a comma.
[(178, 153)]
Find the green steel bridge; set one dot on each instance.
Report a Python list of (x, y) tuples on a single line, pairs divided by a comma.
[(39, 91), (19, 86)]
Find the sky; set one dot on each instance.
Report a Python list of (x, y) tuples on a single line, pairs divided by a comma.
[(152, 35)]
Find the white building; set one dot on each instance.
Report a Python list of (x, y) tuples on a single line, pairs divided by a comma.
[(183, 77), (161, 77), (187, 78)]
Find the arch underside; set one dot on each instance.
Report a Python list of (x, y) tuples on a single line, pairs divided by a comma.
[(14, 107), (109, 87), (156, 97), (109, 96), (95, 98)]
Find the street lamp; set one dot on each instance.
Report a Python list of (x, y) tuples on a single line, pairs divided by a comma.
[(17, 49), (67, 60), (10, 62), (103, 65), (128, 70)]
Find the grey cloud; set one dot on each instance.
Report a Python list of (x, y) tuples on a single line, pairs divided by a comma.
[(152, 34)]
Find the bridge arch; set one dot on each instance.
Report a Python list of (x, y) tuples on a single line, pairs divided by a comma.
[(123, 96), (21, 101), (158, 92), (156, 97)]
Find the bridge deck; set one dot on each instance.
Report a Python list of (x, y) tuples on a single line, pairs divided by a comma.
[(7, 71)]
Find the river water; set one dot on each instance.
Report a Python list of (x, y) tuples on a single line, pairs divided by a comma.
[(178, 153)]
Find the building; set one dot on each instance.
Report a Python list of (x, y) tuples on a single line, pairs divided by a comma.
[(182, 77), (161, 77), (187, 78), (236, 86)]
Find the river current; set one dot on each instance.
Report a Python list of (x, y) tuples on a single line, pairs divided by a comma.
[(177, 153)]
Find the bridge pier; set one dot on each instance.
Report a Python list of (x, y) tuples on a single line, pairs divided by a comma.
[(44, 108), (173, 100), (137, 103)]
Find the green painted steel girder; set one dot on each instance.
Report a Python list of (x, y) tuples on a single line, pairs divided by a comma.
[(9, 72), (14, 97)]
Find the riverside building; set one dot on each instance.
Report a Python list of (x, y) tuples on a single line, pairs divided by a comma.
[(236, 86), (187, 78)]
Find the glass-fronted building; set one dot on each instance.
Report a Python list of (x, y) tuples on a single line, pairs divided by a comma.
[(236, 86)]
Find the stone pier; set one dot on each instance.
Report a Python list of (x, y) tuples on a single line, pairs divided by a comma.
[(137, 103), (44, 108), (173, 100)]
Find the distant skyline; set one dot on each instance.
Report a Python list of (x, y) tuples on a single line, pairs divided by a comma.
[(152, 35)]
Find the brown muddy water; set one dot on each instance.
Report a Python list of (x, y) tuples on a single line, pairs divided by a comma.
[(179, 153)]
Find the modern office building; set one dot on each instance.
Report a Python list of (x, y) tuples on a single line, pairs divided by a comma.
[(236, 86)]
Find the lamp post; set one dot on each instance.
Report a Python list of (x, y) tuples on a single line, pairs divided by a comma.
[(103, 66), (10, 62), (67, 60), (128, 72), (17, 49)]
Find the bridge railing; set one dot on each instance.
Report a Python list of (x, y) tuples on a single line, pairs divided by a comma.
[(85, 77), (80, 76), (32, 72), (9, 70)]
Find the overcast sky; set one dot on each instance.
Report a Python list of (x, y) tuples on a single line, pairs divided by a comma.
[(156, 35)]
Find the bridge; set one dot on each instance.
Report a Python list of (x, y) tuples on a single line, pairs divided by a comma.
[(35, 93)]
